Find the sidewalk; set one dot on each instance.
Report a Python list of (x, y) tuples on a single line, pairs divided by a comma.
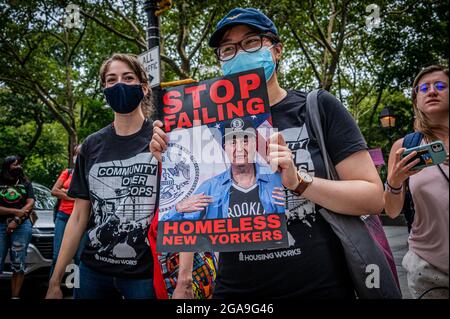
[(398, 240)]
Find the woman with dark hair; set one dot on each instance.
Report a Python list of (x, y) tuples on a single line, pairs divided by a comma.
[(16, 204), (427, 259)]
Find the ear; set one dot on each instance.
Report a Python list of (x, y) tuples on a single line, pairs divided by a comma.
[(146, 89), (278, 50)]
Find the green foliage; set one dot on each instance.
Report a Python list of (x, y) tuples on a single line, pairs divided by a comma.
[(97, 116), (50, 90), (43, 163)]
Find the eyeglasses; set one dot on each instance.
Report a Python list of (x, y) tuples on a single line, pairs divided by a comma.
[(424, 87), (250, 44)]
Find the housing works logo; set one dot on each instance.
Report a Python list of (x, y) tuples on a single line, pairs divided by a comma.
[(269, 255)]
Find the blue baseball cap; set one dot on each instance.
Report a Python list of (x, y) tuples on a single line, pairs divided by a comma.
[(248, 16)]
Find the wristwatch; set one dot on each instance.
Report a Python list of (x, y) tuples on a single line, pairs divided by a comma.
[(304, 181)]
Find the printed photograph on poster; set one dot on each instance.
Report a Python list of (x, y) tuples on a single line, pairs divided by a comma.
[(218, 192)]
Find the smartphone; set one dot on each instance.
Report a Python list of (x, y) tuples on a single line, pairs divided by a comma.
[(429, 155)]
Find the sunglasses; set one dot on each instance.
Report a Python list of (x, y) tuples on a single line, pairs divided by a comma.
[(438, 85)]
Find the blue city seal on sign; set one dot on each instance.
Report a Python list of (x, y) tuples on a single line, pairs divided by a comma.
[(179, 178)]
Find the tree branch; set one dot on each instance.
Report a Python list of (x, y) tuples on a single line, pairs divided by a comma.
[(319, 29), (127, 20), (182, 37), (374, 110), (20, 83), (141, 44), (12, 50), (204, 34), (339, 82), (340, 45), (174, 66), (28, 77), (308, 58), (31, 48), (48, 95), (37, 134), (364, 95), (57, 37), (311, 35), (53, 110), (72, 51)]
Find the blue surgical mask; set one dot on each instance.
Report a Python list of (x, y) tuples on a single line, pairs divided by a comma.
[(244, 61), (124, 98)]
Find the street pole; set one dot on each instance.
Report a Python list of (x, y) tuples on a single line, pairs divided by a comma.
[(153, 39)]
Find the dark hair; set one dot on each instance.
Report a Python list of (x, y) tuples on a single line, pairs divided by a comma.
[(77, 146), (5, 177), (422, 122), (273, 37)]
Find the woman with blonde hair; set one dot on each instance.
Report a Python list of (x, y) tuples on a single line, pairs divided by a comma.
[(426, 262), (114, 185)]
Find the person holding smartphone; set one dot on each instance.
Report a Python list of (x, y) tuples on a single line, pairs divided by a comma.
[(426, 261)]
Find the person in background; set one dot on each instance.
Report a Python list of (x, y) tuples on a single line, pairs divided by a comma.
[(65, 208), (16, 203), (426, 261)]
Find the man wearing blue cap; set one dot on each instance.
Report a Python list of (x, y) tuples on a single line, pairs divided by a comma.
[(314, 266)]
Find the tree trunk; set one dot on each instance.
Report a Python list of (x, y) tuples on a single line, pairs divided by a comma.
[(71, 149)]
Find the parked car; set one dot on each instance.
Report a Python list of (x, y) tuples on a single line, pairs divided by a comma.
[(40, 250)]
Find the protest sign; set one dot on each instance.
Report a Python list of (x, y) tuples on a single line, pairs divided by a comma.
[(217, 190)]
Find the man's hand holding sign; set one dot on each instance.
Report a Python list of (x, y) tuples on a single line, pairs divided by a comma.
[(280, 159)]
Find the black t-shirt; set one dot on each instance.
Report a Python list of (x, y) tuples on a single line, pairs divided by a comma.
[(119, 176), (14, 196), (314, 265), (244, 202)]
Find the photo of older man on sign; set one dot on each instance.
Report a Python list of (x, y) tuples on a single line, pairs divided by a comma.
[(244, 189), (225, 197)]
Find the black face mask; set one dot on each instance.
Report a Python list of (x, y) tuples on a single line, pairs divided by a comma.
[(16, 172), (124, 98)]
